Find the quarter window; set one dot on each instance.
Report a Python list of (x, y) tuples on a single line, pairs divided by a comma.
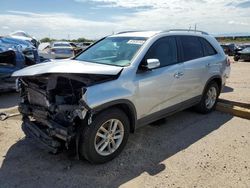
[(207, 48), (165, 50), (191, 47)]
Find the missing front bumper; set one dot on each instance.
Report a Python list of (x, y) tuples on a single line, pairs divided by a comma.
[(34, 131)]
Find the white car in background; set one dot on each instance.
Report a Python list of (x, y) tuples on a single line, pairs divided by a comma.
[(61, 50), (25, 36)]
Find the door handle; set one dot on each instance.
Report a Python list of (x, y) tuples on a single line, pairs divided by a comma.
[(178, 74), (208, 65)]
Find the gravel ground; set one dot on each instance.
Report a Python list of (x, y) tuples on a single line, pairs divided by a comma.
[(188, 150), (238, 85)]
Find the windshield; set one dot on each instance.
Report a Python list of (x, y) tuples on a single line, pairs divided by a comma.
[(117, 51)]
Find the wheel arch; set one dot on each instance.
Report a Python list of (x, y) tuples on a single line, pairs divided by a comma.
[(126, 106), (216, 79)]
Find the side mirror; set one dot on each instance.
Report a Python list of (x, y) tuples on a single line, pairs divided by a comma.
[(152, 63)]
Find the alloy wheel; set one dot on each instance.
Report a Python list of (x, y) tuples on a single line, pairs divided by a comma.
[(211, 97), (109, 137)]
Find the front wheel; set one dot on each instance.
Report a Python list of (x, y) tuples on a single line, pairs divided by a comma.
[(106, 137), (209, 98)]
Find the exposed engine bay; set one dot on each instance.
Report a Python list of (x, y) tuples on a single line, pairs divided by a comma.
[(53, 106)]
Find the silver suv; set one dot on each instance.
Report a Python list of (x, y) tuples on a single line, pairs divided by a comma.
[(92, 102)]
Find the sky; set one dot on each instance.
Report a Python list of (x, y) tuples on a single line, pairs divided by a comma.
[(93, 19)]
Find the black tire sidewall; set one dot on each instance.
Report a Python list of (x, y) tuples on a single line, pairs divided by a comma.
[(201, 107), (87, 147), (236, 58)]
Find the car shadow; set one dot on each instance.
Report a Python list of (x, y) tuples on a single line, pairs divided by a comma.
[(9, 99), (26, 165), (227, 89)]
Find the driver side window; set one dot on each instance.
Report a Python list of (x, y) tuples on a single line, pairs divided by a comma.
[(165, 50)]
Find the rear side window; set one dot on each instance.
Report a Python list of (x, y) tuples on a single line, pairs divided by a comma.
[(165, 50), (191, 47), (208, 49)]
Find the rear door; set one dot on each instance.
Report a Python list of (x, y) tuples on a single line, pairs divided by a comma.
[(199, 59), (159, 88), (194, 66)]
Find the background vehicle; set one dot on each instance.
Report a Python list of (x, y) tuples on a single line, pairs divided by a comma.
[(58, 50), (44, 50), (243, 55), (25, 36), (229, 49), (120, 83), (77, 49), (15, 54), (61, 50), (238, 50), (85, 45)]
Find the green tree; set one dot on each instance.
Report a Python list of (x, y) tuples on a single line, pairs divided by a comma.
[(46, 39), (81, 40)]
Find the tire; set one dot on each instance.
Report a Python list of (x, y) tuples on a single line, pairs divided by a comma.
[(236, 58), (89, 147), (203, 106)]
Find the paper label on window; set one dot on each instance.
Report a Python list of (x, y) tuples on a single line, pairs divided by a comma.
[(138, 42)]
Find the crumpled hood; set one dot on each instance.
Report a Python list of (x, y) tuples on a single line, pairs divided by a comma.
[(16, 44), (68, 66)]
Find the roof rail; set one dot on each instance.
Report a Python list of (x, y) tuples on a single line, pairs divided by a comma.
[(128, 31), (189, 30)]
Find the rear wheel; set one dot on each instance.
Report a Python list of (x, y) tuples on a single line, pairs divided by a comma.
[(106, 137), (209, 98)]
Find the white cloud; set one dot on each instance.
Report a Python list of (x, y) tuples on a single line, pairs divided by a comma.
[(55, 25), (144, 3), (232, 22), (214, 16), (210, 15), (5, 27)]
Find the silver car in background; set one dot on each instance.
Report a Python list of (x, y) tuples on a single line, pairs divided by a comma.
[(92, 102), (61, 50)]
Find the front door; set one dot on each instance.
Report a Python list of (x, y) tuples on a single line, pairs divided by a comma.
[(159, 88)]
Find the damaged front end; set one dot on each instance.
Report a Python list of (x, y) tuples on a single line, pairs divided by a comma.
[(53, 107)]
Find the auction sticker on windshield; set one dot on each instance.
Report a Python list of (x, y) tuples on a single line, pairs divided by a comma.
[(138, 42)]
